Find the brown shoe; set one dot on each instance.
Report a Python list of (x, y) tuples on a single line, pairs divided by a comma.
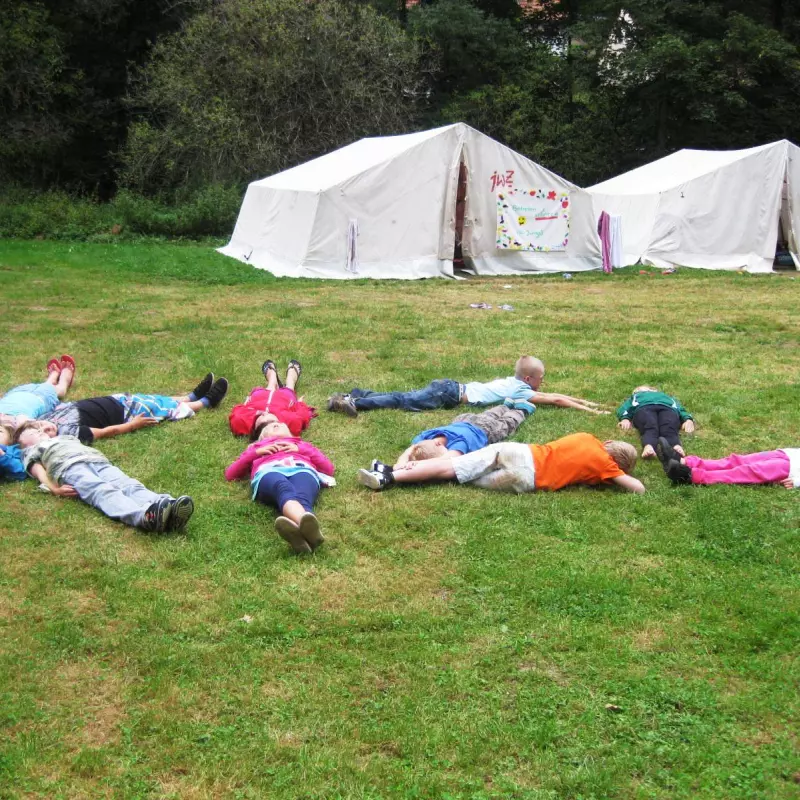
[(287, 530)]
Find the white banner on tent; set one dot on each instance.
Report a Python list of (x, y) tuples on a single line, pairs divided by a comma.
[(532, 219)]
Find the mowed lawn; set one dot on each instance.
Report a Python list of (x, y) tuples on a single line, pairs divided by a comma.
[(445, 642)]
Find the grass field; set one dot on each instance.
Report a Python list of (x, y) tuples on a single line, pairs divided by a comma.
[(445, 642)]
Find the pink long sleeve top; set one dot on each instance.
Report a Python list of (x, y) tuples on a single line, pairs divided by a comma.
[(307, 455)]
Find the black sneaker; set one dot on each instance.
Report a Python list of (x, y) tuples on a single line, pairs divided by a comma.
[(156, 518), (679, 473), (342, 403), (375, 480), (666, 452), (201, 390), (379, 466), (216, 394), (182, 510)]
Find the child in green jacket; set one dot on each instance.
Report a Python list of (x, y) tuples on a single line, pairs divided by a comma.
[(654, 413)]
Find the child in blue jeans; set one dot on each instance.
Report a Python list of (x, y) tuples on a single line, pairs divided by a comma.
[(31, 400), (521, 389)]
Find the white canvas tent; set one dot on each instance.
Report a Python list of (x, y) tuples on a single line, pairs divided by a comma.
[(708, 208), (386, 208)]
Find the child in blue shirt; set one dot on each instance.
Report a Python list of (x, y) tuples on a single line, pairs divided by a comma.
[(522, 388), (31, 400)]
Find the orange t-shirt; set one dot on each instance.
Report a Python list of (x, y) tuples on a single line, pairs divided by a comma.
[(578, 458)]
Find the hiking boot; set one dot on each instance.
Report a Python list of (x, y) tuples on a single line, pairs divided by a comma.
[(156, 518), (182, 510), (375, 480), (342, 403), (201, 390), (520, 405), (309, 529), (287, 530), (679, 473), (666, 452), (379, 466), (216, 394)]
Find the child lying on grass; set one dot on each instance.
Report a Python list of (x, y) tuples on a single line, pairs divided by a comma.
[(11, 467), (654, 414), (522, 388), (770, 466), (115, 414), (31, 400), (287, 473), (67, 468), (465, 434), (576, 459)]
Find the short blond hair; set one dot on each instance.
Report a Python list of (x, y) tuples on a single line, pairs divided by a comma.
[(623, 453), (424, 450), (528, 367)]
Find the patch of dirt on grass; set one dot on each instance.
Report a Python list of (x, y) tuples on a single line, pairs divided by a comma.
[(545, 670), (92, 694), (375, 584), (648, 638)]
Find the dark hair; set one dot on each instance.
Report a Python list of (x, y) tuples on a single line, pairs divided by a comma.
[(255, 434), (26, 426)]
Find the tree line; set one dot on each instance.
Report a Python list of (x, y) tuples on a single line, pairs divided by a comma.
[(163, 96)]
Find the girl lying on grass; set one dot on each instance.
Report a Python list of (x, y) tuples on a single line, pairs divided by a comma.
[(770, 466), (31, 400), (287, 473)]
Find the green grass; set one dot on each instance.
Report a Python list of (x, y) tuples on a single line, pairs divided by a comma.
[(446, 642)]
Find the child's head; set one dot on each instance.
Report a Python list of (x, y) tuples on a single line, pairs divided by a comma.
[(645, 389), (274, 428), (429, 448), (258, 424), (530, 370), (623, 453), (29, 434), (6, 435)]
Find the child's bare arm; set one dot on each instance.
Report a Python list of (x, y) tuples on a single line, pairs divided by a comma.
[(126, 427), (40, 473), (629, 484), (402, 459), (565, 401)]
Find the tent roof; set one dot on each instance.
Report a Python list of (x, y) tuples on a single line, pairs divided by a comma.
[(674, 170), (346, 162)]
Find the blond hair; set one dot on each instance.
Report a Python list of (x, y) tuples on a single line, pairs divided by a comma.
[(424, 450), (528, 367), (623, 453)]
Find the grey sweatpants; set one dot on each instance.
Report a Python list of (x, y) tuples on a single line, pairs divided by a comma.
[(498, 423), (111, 491)]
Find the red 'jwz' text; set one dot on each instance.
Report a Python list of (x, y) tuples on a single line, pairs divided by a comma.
[(505, 180)]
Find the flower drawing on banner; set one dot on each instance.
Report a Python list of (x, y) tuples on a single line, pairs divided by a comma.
[(551, 195)]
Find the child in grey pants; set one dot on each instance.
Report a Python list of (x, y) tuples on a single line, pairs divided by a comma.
[(67, 468)]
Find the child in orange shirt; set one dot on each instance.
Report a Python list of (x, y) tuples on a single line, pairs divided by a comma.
[(512, 467)]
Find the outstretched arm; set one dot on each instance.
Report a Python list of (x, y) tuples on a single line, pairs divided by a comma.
[(126, 427), (565, 401), (629, 484)]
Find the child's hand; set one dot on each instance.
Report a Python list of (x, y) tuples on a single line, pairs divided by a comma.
[(624, 424), (278, 447), (65, 490), (143, 422), (688, 426), (787, 483)]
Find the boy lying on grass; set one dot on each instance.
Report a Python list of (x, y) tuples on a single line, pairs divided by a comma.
[(115, 414), (67, 468), (576, 459), (522, 388), (465, 434)]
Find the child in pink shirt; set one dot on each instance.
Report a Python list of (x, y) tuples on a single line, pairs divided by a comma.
[(286, 472), (769, 466)]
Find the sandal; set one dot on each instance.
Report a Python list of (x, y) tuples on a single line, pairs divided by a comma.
[(268, 365), (68, 362), (295, 365), (53, 365)]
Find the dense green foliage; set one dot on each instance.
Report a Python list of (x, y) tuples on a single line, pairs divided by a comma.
[(445, 642), (161, 97)]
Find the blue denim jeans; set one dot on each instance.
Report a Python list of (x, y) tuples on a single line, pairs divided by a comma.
[(437, 394)]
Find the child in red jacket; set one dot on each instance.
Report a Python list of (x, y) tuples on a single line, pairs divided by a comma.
[(276, 402), (286, 472)]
